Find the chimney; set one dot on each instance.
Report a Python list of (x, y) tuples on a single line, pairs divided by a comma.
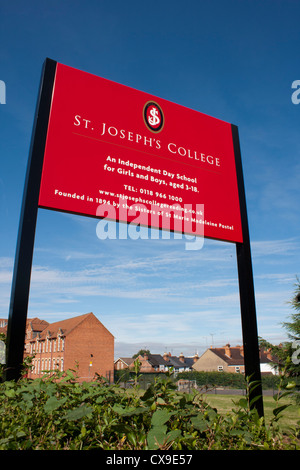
[(227, 350), (269, 355), (195, 358), (181, 357), (166, 356), (242, 351)]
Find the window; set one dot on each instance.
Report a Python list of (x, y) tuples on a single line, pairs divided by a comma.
[(237, 369), (220, 368)]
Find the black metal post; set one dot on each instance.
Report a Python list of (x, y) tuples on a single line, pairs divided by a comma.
[(25, 244), (247, 295)]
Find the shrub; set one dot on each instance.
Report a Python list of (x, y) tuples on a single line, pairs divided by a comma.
[(58, 413), (226, 379)]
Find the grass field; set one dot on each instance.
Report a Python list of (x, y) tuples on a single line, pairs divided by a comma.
[(289, 417)]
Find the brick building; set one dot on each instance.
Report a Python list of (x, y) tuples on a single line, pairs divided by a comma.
[(153, 363), (123, 363), (80, 343), (231, 359)]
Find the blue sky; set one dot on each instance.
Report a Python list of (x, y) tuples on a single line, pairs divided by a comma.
[(234, 60)]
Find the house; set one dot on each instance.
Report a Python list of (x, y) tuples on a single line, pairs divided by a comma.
[(230, 359), (152, 363), (157, 363), (180, 363), (3, 324), (82, 343), (148, 363), (123, 363)]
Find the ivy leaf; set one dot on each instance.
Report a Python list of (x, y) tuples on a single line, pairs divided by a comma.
[(129, 411), (199, 423), (172, 435), (53, 403), (10, 393), (156, 436), (78, 413), (160, 417)]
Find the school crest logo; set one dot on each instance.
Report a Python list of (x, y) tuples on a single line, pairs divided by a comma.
[(153, 116)]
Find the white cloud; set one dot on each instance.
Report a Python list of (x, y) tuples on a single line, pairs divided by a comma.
[(284, 247), (160, 295)]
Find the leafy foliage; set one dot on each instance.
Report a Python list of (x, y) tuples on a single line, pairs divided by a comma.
[(58, 413), (287, 355), (141, 352)]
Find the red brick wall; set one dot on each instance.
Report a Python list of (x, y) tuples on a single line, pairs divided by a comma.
[(145, 365), (90, 337)]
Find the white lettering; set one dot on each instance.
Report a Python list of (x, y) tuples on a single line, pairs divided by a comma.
[(123, 460), (150, 141), (2, 92), (169, 148), (183, 152), (112, 131), (295, 358), (296, 95), (77, 123)]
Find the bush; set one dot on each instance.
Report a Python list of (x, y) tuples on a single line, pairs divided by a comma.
[(226, 379), (215, 379), (58, 413)]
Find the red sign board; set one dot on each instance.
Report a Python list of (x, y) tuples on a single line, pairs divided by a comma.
[(116, 152)]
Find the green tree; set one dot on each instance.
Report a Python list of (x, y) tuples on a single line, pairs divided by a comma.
[(293, 330), (141, 352), (287, 355), (293, 327)]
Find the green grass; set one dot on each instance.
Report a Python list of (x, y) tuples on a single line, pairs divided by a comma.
[(289, 417)]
